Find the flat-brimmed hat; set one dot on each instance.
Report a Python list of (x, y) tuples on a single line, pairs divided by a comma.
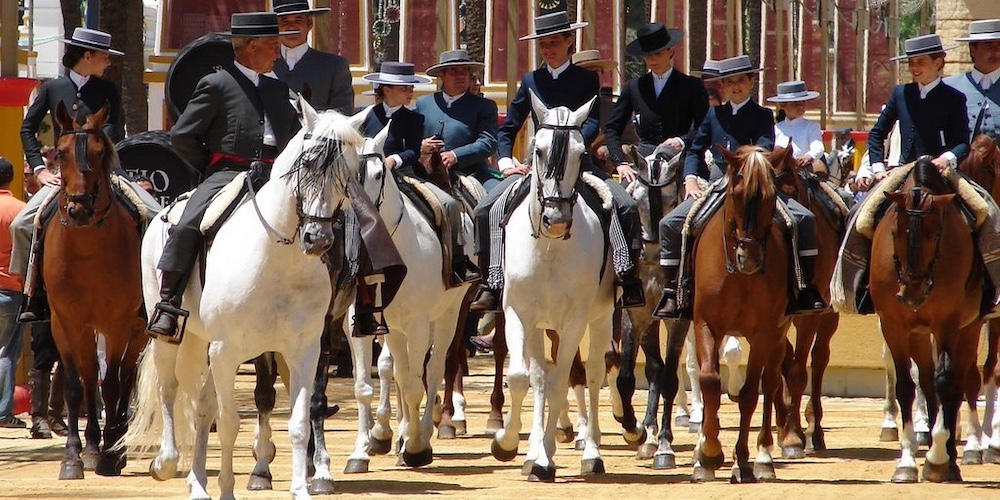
[(921, 45), (292, 7), (395, 73), (653, 38), (256, 25), (981, 31), (793, 92), (708, 71), (592, 58), (739, 65), (452, 58), (551, 24), (92, 40)]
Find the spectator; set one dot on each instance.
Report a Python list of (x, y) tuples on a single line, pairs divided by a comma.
[(11, 332)]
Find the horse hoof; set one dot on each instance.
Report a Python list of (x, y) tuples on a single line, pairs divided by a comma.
[(320, 487), (742, 476), (541, 474), (764, 472), (618, 418), (734, 397), (162, 473), (972, 457), (817, 442), (646, 451), (682, 421), (565, 435), (580, 445), (664, 462), (639, 437), (591, 467), (258, 482), (694, 428), (447, 432), (526, 468), (419, 459), (356, 466), (493, 424), (461, 428), (274, 452), (71, 469), (501, 454), (380, 446), (792, 452), (889, 434), (991, 456), (905, 475), (702, 475), (923, 438), (712, 462), (941, 473), (89, 460), (108, 466)]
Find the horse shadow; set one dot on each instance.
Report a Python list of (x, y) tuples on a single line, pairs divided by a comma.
[(368, 486)]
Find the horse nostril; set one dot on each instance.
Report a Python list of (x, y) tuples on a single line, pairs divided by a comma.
[(307, 238)]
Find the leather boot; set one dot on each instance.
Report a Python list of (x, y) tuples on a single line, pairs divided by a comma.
[(667, 308), (38, 382), (163, 324), (487, 299), (57, 402), (365, 324), (632, 286), (809, 300), (463, 270), (36, 305)]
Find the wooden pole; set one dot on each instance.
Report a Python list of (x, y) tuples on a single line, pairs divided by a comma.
[(824, 67), (444, 28), (859, 65), (779, 12), (734, 27)]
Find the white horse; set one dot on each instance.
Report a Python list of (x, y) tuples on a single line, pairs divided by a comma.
[(422, 319), (558, 276), (260, 294)]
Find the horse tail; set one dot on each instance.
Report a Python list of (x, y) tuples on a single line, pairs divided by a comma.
[(758, 176)]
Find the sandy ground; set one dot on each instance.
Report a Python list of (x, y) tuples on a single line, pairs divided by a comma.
[(856, 466)]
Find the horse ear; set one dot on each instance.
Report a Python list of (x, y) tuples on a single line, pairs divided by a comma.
[(309, 114), (101, 116), (62, 117), (939, 200), (897, 197), (778, 157), (727, 154), (381, 137), (580, 114), (537, 106), (358, 119)]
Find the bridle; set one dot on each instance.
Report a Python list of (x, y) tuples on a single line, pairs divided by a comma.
[(743, 242), (915, 218), (655, 195), (556, 171), (81, 147), (380, 198)]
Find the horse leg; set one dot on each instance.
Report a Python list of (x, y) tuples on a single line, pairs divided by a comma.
[(381, 432), (495, 420), (890, 410), (448, 428), (923, 410), (505, 440), (442, 332), (815, 439), (613, 364), (763, 467), (694, 375), (228, 424), (955, 377), (650, 344), (320, 477), (565, 431), (793, 441), (164, 359), (731, 354), (358, 460), (756, 362), (990, 378), (669, 385), (206, 413), (578, 381), (302, 365), (409, 353), (708, 452), (264, 395), (72, 465), (972, 452), (625, 381), (123, 356), (898, 345), (600, 336)]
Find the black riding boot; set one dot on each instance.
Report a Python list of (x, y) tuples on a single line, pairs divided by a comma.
[(667, 308), (809, 300), (35, 306), (365, 324), (632, 287), (487, 298), (38, 382), (163, 324)]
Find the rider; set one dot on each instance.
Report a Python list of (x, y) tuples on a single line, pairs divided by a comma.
[(558, 83), (740, 121), (795, 130), (237, 120), (402, 148)]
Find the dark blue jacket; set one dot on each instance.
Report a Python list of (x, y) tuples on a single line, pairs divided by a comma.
[(470, 129), (405, 134), (752, 124), (930, 126)]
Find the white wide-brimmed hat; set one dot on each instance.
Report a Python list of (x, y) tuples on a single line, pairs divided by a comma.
[(551, 24), (921, 45), (92, 40), (739, 65), (591, 59), (395, 73), (793, 92), (981, 31)]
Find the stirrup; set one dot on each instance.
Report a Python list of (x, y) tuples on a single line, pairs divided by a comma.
[(180, 325)]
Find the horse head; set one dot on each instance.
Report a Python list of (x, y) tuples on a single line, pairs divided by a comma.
[(750, 204), (983, 163), (84, 155), (373, 173), (916, 238), (323, 158), (658, 188), (559, 149), (790, 177)]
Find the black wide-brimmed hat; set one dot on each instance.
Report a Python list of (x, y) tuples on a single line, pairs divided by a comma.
[(453, 58), (551, 24), (92, 40), (921, 45), (739, 65), (256, 25), (291, 7), (982, 31), (395, 73), (793, 92), (653, 38)]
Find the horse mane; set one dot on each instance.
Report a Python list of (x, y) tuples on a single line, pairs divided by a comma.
[(555, 168), (927, 175), (757, 174), (316, 162)]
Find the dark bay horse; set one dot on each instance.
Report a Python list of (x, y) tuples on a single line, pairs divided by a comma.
[(91, 270), (914, 298), (741, 253)]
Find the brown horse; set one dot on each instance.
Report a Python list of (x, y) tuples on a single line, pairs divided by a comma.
[(741, 282), (812, 332), (913, 298), (91, 270)]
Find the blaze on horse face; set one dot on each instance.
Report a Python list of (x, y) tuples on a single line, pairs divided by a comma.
[(83, 154), (750, 204), (916, 241)]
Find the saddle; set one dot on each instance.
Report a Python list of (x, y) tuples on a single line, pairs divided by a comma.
[(221, 207)]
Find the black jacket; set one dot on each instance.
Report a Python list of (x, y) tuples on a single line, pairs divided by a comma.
[(752, 124), (405, 134), (328, 76), (929, 126)]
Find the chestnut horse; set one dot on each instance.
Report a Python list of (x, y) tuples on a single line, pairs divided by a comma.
[(91, 270), (912, 299), (813, 332), (741, 252)]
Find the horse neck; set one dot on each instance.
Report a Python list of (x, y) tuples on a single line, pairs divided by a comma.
[(278, 205), (392, 205)]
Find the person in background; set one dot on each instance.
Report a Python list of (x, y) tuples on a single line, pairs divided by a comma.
[(795, 130), (11, 332)]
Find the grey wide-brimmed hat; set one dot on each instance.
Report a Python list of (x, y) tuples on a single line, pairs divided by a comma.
[(395, 73), (653, 38), (551, 24), (452, 58), (921, 45), (256, 25), (739, 65), (592, 59), (708, 71), (981, 31), (793, 92), (92, 40), (292, 7)]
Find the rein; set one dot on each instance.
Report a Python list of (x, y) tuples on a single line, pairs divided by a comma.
[(381, 188), (913, 249)]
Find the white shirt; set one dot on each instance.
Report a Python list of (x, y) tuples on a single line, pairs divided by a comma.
[(294, 54), (804, 135), (78, 79), (978, 77), (925, 89), (660, 81), (449, 100), (389, 111), (736, 107), (558, 71), (254, 77)]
